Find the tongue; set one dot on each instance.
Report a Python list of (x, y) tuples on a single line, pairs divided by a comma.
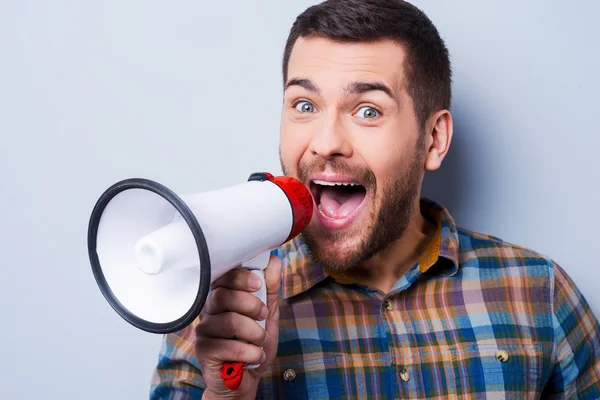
[(336, 203)]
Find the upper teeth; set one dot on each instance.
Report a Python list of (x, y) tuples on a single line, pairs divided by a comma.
[(327, 183)]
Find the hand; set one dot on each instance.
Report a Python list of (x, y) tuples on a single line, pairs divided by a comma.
[(230, 313)]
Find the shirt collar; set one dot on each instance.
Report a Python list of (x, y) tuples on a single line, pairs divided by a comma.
[(300, 272)]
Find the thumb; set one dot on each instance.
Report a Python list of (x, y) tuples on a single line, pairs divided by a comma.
[(273, 278), (273, 283)]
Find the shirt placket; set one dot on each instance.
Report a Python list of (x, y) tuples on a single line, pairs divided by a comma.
[(404, 352)]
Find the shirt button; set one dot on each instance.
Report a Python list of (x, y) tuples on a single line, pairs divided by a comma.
[(404, 375), (289, 375), (388, 305), (502, 355)]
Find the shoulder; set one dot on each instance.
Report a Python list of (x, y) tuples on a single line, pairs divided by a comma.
[(519, 283), (502, 258)]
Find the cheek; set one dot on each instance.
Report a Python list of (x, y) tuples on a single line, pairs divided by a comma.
[(292, 147), (382, 156), (388, 160)]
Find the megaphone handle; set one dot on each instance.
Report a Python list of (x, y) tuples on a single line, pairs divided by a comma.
[(232, 372)]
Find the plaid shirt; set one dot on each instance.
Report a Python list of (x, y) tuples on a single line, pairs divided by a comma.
[(475, 318)]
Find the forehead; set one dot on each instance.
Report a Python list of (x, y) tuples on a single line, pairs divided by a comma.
[(319, 58)]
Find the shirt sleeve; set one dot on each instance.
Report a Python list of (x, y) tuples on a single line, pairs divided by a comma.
[(177, 375), (576, 361)]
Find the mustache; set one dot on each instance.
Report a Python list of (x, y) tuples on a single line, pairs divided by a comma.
[(363, 175)]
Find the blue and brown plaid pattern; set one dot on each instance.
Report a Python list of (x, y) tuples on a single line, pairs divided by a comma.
[(476, 318)]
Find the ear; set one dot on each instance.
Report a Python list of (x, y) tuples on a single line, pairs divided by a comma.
[(438, 138)]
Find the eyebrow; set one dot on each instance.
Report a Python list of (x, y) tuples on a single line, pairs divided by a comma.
[(352, 88), (364, 87), (305, 83)]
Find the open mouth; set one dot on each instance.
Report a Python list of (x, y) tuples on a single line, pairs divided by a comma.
[(337, 200)]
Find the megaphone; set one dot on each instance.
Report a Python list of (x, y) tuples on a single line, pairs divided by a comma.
[(154, 253)]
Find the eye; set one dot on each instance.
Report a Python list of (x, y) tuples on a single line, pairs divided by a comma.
[(305, 106), (368, 112)]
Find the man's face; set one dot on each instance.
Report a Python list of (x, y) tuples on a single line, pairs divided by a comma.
[(350, 134)]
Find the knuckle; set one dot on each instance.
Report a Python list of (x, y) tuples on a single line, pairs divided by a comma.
[(215, 297), (201, 348), (230, 325), (202, 332), (219, 300), (199, 329), (208, 304)]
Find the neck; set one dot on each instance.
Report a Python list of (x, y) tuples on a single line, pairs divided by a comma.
[(384, 269)]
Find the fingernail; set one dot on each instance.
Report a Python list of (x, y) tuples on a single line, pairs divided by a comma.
[(255, 282), (264, 358), (264, 313), (266, 338)]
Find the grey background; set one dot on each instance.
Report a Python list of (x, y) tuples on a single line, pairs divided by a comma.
[(189, 93)]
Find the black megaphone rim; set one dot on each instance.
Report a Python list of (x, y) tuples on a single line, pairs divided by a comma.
[(199, 238)]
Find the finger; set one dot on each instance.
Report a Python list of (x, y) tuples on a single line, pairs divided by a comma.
[(223, 350), (222, 300), (232, 326), (238, 279)]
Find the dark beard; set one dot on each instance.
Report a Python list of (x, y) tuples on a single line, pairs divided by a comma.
[(387, 225)]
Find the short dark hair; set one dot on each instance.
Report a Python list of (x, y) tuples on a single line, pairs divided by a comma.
[(427, 67)]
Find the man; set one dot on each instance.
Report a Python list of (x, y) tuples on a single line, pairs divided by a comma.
[(382, 296)]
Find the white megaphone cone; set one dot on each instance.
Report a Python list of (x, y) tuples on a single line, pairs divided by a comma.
[(154, 254)]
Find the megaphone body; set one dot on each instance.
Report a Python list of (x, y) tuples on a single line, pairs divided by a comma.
[(154, 254)]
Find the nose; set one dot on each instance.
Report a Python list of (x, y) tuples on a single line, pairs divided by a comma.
[(330, 140)]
